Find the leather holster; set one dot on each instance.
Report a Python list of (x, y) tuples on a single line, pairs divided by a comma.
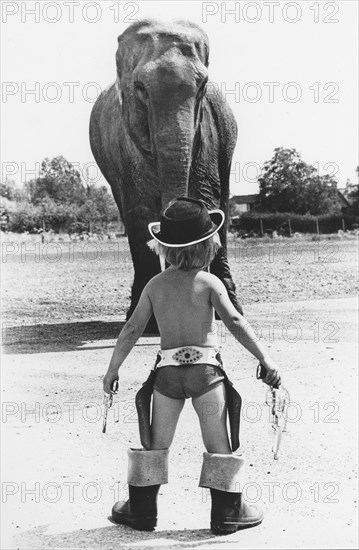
[(143, 405), (234, 405)]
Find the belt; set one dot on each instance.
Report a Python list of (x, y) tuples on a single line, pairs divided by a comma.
[(188, 355)]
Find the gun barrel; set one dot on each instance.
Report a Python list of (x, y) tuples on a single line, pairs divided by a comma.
[(277, 441), (107, 401)]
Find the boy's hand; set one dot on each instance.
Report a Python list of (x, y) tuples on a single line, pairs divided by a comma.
[(108, 381), (269, 373)]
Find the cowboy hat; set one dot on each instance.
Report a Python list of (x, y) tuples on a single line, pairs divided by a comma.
[(185, 222)]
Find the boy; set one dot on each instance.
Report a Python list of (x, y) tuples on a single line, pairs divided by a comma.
[(183, 299)]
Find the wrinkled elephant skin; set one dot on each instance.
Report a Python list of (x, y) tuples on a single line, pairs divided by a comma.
[(163, 131)]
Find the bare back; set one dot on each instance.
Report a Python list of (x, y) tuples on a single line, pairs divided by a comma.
[(182, 306)]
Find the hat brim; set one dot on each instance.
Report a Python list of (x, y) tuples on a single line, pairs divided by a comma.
[(217, 217)]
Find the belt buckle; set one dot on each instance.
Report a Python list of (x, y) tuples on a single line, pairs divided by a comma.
[(187, 355)]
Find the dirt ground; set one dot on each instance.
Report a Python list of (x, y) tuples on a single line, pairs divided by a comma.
[(61, 475)]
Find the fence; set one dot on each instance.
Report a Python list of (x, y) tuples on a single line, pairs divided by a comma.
[(287, 224)]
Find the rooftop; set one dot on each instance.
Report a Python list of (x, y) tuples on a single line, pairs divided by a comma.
[(244, 199)]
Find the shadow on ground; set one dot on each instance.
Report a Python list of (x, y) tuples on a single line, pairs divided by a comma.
[(58, 336), (117, 536)]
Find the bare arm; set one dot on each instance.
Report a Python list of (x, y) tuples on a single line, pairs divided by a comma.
[(242, 330), (128, 337)]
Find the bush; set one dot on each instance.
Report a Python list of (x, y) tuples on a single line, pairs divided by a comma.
[(26, 217)]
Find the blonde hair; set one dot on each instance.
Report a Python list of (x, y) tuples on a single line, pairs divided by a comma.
[(195, 256)]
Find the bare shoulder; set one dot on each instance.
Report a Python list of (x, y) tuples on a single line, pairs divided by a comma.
[(211, 280), (155, 283)]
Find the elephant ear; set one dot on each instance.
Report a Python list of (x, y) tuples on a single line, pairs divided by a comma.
[(130, 48)]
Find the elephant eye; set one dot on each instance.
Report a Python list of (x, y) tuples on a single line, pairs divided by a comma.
[(140, 91)]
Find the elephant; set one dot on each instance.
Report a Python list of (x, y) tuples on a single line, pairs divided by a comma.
[(162, 131)]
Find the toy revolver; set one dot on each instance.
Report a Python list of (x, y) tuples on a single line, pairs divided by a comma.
[(107, 401), (277, 399)]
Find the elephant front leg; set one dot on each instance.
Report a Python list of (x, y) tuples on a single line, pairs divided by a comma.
[(220, 268), (146, 265)]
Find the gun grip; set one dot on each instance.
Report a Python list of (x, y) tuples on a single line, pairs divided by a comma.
[(261, 372)]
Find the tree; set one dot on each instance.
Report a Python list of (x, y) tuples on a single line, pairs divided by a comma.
[(58, 200), (56, 216), (105, 203), (58, 180), (321, 197), (353, 195), (9, 191), (288, 184)]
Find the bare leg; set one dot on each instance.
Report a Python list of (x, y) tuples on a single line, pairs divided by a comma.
[(211, 410), (165, 415)]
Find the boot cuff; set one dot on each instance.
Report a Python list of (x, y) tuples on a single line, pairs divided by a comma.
[(147, 467), (222, 472)]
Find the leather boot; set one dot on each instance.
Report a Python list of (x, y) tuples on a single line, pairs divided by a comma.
[(231, 513), (147, 471), (223, 475), (140, 510)]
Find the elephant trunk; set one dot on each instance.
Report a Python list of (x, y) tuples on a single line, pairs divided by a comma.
[(172, 141)]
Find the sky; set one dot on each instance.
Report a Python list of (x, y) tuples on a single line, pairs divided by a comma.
[(289, 71)]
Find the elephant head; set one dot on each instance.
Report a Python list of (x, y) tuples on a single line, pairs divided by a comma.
[(161, 81)]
